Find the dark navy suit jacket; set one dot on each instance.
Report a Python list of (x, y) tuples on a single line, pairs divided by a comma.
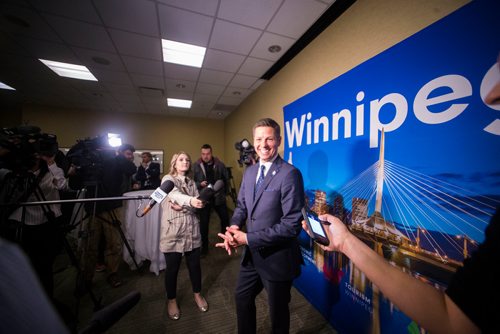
[(273, 220)]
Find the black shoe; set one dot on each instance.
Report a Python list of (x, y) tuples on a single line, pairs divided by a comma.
[(114, 280)]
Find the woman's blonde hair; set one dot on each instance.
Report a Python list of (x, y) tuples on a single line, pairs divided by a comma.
[(176, 156)]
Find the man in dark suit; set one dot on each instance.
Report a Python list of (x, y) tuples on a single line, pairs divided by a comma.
[(148, 173), (269, 204)]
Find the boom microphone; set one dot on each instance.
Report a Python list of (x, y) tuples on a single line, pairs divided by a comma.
[(209, 191), (159, 195)]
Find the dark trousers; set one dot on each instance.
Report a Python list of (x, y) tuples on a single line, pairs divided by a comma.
[(205, 221), (250, 284), (42, 243), (173, 261)]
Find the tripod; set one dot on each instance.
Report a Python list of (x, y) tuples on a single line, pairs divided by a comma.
[(232, 190), (97, 220)]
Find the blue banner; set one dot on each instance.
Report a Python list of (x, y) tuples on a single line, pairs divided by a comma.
[(405, 150)]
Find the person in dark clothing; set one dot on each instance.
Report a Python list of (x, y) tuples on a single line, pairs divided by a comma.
[(148, 173), (207, 170), (111, 179)]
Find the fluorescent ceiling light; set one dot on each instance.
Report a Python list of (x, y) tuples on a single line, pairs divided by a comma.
[(182, 53), (114, 140), (4, 86), (69, 70), (179, 103)]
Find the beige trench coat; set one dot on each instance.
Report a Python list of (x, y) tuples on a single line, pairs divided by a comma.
[(180, 230)]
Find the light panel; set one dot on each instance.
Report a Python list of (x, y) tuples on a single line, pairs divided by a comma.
[(182, 53), (179, 103), (4, 86), (69, 70)]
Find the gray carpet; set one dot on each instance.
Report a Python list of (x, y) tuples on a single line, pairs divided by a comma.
[(149, 315)]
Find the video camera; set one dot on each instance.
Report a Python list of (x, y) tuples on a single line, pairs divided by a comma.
[(248, 155), (89, 156), (21, 146)]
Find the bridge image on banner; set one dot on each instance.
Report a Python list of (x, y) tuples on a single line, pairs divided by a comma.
[(407, 217)]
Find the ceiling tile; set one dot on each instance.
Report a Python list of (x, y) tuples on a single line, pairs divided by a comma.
[(119, 88), (41, 49), (137, 45), (133, 15), (215, 77), (105, 76), (237, 92), (207, 7), (81, 34), (232, 37), (25, 22), (143, 66), (79, 10), (255, 13), (203, 98), (180, 95), (223, 61), (255, 67), (229, 100), (243, 81), (261, 49), (176, 85), (147, 81), (183, 26), (174, 71), (303, 13), (209, 89), (86, 57)]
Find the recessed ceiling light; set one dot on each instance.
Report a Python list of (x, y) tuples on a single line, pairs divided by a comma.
[(274, 48), (182, 53), (4, 86), (179, 103), (102, 61), (220, 113), (69, 70)]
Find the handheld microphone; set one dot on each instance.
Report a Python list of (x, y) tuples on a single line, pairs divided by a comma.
[(209, 191), (159, 195)]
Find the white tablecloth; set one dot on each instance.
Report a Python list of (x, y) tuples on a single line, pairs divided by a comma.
[(143, 234)]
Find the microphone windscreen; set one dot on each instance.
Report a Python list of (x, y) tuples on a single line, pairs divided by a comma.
[(167, 186), (206, 193), (218, 185)]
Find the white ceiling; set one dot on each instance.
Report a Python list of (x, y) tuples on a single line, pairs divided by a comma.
[(128, 33)]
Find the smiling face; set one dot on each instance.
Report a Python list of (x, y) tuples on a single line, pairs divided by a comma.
[(266, 142)]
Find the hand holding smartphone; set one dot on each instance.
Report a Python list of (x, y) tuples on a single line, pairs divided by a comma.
[(315, 227)]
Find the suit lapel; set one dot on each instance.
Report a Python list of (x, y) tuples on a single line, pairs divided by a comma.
[(275, 168)]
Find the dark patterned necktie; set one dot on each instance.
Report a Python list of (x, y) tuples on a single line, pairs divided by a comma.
[(260, 180)]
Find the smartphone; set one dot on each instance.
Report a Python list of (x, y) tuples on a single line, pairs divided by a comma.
[(316, 227)]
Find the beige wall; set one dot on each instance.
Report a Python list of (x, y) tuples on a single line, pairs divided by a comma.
[(170, 134), (366, 29)]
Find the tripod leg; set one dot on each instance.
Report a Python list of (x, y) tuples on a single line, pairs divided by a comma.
[(115, 222), (117, 225)]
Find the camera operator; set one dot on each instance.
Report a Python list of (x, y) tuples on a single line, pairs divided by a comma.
[(207, 170), (111, 178), (41, 236)]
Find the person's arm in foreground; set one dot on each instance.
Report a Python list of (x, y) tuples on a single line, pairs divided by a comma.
[(430, 308)]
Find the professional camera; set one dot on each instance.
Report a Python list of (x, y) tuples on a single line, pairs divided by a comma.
[(21, 146), (89, 155), (248, 155)]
